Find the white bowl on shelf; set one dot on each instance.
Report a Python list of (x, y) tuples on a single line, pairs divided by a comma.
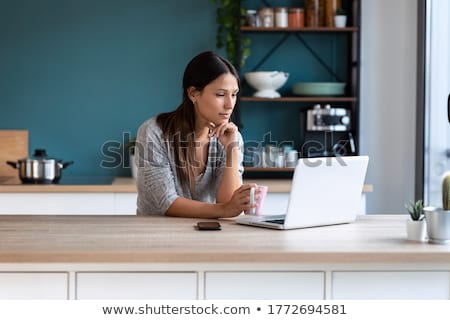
[(266, 83)]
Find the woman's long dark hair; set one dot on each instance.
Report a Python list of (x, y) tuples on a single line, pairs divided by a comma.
[(178, 126)]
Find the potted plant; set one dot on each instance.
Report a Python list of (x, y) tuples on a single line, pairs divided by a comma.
[(438, 219), (230, 17), (340, 18), (416, 225)]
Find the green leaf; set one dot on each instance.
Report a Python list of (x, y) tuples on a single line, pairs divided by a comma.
[(415, 209), (229, 17)]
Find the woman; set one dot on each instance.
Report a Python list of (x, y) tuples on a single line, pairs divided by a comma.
[(190, 159)]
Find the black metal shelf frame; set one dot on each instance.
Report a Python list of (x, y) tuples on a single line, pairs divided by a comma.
[(286, 36), (353, 73)]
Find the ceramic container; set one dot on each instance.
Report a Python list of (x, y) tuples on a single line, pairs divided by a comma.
[(438, 225), (416, 230)]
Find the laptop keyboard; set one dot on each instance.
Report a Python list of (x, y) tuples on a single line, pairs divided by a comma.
[(278, 221)]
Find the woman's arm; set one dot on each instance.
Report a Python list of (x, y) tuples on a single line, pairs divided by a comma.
[(231, 198), (239, 201), (157, 183), (231, 178)]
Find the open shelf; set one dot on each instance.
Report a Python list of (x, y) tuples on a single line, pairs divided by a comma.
[(315, 54)]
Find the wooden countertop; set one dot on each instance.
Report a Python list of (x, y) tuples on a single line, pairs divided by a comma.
[(152, 239), (127, 185)]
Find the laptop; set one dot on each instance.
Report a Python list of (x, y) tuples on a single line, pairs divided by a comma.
[(325, 191)]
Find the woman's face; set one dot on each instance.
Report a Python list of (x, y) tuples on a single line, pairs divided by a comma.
[(216, 101)]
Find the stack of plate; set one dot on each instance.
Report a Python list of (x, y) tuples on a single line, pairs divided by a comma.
[(319, 88)]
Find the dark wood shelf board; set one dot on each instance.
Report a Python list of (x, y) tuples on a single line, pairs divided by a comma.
[(305, 29), (258, 169), (302, 99)]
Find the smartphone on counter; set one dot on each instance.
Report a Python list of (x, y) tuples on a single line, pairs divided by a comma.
[(208, 225)]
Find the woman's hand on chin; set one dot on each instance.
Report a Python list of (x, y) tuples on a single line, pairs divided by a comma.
[(226, 132)]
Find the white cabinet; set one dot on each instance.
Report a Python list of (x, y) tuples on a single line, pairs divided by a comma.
[(57, 203), (136, 285), (34, 285), (391, 285), (265, 285), (68, 203), (126, 282), (118, 198), (81, 203)]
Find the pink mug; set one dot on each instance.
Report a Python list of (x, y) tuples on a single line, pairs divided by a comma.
[(262, 192)]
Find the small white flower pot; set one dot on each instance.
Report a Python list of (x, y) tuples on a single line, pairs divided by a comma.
[(340, 21), (416, 230)]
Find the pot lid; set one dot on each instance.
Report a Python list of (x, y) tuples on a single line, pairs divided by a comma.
[(39, 154)]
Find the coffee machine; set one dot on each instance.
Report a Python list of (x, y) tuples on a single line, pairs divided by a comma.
[(327, 119), (327, 132)]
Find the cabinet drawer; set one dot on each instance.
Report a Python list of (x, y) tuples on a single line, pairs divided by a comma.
[(136, 285), (31, 285), (264, 285), (391, 285)]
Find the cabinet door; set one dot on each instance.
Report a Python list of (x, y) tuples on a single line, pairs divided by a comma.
[(30, 285), (391, 285), (136, 285), (264, 285), (57, 203)]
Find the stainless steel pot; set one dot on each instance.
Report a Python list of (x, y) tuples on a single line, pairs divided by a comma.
[(39, 168)]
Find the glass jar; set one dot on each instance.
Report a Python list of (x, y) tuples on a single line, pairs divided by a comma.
[(296, 18), (272, 153), (266, 17), (312, 13), (251, 18), (322, 12), (281, 17)]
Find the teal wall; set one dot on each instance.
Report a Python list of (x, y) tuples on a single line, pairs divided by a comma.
[(80, 73)]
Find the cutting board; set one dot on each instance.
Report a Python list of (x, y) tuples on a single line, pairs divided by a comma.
[(13, 146)]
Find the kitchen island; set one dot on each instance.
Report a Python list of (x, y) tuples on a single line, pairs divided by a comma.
[(126, 257)]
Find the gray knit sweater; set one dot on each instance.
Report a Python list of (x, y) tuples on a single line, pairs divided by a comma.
[(157, 182)]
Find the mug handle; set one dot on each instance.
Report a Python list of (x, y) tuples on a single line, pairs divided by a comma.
[(252, 200)]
